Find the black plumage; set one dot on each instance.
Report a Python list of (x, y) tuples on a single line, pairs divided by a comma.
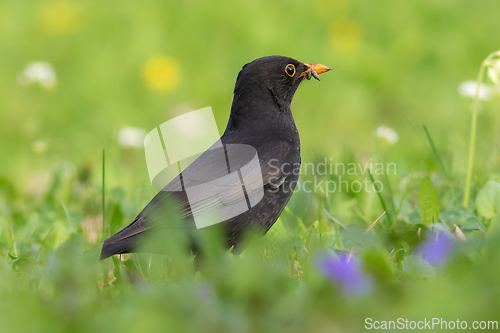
[(260, 117)]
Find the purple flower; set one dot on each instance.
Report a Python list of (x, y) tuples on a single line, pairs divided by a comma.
[(347, 273), (437, 248)]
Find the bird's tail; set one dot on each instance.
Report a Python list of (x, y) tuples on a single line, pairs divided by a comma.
[(125, 240), (118, 247)]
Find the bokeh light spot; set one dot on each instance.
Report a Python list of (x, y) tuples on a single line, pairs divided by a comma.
[(345, 35), (59, 17), (161, 73)]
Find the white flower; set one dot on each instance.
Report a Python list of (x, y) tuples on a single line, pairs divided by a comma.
[(387, 133), (38, 72), (494, 72), (192, 124), (131, 137), (468, 89)]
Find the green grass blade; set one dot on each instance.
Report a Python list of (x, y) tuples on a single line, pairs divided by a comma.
[(68, 216), (331, 217), (436, 154), (382, 201)]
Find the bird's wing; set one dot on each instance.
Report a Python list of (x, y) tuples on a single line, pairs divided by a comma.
[(240, 186), (199, 188)]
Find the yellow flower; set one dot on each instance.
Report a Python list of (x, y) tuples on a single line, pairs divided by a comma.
[(345, 35), (161, 73), (59, 17)]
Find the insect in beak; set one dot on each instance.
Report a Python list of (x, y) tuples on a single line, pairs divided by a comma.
[(313, 70)]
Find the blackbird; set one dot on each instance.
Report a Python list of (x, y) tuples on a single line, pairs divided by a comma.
[(261, 118)]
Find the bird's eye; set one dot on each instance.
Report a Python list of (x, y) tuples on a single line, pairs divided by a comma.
[(290, 70)]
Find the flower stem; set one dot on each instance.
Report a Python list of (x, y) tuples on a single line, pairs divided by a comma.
[(103, 192), (472, 142)]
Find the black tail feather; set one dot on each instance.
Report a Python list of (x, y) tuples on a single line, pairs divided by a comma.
[(118, 247)]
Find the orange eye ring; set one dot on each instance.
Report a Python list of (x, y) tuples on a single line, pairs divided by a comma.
[(290, 70)]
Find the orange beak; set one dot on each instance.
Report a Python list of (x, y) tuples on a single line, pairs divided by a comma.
[(314, 70)]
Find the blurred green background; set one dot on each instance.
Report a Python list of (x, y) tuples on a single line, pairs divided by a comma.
[(137, 64)]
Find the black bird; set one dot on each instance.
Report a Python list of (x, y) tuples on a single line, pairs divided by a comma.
[(261, 118)]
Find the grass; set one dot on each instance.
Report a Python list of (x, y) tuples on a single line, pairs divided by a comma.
[(398, 66)]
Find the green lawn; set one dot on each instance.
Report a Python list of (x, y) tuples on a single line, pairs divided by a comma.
[(397, 64)]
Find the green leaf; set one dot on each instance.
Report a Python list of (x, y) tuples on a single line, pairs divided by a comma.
[(25, 266), (488, 199), (428, 201), (115, 217), (418, 268), (311, 239), (377, 263), (450, 216), (414, 218)]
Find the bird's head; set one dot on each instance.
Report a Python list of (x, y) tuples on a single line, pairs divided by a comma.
[(276, 76)]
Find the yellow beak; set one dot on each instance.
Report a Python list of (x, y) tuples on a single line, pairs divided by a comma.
[(314, 70)]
